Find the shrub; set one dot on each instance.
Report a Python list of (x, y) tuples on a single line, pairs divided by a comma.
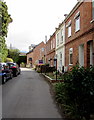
[(22, 64), (77, 92), (9, 60)]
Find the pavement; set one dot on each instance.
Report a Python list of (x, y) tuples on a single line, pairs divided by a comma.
[(28, 96)]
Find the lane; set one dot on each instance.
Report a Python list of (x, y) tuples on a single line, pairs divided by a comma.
[(28, 96)]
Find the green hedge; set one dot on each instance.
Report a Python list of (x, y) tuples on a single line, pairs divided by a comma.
[(76, 94)]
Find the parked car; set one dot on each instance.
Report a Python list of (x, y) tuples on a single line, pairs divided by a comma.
[(5, 73), (15, 68)]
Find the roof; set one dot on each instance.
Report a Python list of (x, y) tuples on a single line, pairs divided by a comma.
[(34, 48), (22, 54), (73, 10), (29, 52)]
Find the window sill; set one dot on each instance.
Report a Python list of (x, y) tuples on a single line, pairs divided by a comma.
[(70, 64), (77, 31), (69, 36), (92, 21), (61, 42)]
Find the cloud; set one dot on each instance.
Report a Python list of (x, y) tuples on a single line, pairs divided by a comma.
[(33, 19)]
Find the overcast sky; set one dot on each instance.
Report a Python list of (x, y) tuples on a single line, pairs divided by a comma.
[(33, 19)]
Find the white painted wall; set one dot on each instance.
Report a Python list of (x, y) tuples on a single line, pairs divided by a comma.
[(60, 48)]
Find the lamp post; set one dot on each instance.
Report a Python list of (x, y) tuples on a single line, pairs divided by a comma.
[(55, 59)]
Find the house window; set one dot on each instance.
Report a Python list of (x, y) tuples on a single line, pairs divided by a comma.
[(77, 23), (71, 56), (30, 59), (69, 28), (60, 61), (81, 55), (57, 39), (62, 36), (91, 53), (42, 49), (93, 9), (69, 31)]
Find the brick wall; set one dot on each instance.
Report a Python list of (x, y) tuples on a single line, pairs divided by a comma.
[(29, 55), (84, 35), (50, 50), (37, 54)]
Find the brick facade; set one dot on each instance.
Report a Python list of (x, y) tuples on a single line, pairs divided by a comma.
[(50, 50), (30, 55), (84, 36), (38, 53), (78, 44)]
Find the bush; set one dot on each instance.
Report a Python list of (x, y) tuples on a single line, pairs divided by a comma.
[(9, 60), (77, 93), (23, 64)]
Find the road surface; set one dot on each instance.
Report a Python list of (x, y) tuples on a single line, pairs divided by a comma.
[(28, 96)]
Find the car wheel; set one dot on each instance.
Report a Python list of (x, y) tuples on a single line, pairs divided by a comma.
[(15, 74), (4, 79), (11, 76)]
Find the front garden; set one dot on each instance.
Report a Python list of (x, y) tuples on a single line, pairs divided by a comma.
[(49, 71), (76, 94)]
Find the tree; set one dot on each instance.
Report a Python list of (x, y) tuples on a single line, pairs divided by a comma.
[(22, 59), (5, 19), (14, 54)]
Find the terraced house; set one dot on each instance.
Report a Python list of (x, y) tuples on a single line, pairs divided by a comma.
[(50, 50), (79, 37), (73, 41), (60, 46)]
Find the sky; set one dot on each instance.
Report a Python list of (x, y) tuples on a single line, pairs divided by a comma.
[(34, 19)]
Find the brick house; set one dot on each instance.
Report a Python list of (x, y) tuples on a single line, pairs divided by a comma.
[(50, 50), (60, 46), (36, 55), (79, 37), (30, 58), (39, 53)]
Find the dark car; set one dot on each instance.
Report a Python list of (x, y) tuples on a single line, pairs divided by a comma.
[(15, 68), (5, 73)]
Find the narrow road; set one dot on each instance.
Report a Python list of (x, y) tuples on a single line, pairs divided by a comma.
[(28, 96)]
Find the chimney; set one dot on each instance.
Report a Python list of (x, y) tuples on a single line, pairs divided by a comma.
[(45, 39), (65, 15)]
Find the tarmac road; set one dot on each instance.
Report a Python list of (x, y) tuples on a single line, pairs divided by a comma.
[(28, 96)]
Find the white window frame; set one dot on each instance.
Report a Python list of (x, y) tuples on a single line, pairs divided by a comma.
[(69, 28), (70, 53), (62, 37), (60, 59), (77, 23), (81, 55), (69, 31)]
